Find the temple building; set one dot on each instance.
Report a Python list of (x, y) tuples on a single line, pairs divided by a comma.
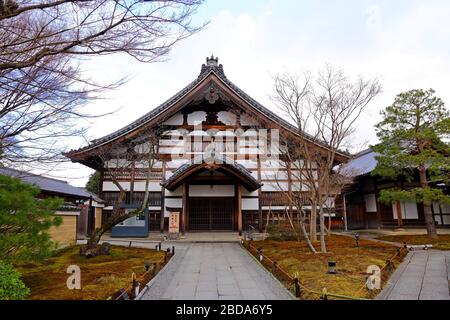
[(218, 160)]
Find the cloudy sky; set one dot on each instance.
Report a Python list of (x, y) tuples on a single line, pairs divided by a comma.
[(404, 43)]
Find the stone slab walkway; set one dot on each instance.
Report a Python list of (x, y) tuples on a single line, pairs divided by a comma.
[(215, 271), (423, 275)]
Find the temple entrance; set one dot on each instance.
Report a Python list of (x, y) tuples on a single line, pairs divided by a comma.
[(211, 214)]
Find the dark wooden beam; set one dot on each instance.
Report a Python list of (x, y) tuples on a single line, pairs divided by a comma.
[(184, 222), (260, 215), (238, 196), (163, 199)]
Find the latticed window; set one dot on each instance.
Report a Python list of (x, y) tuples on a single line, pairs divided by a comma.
[(281, 198), (111, 198)]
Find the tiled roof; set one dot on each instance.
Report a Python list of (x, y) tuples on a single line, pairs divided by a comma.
[(363, 162), (45, 183), (225, 160), (206, 70)]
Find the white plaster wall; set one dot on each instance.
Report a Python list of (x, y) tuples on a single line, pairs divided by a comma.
[(371, 202), (195, 117), (247, 193), (109, 186), (273, 186), (227, 118), (153, 186), (176, 163), (178, 192), (250, 204), (171, 142), (274, 175), (409, 210), (172, 203), (272, 163), (176, 120), (179, 150), (207, 191), (296, 186), (144, 164)]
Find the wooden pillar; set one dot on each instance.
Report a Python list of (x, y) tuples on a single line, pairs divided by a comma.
[(132, 176), (260, 215), (379, 221), (163, 198), (238, 196), (184, 219)]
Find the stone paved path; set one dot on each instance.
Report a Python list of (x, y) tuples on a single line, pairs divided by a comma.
[(424, 275), (211, 271)]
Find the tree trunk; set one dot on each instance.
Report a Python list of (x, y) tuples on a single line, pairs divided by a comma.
[(307, 239), (429, 219), (323, 246), (313, 222)]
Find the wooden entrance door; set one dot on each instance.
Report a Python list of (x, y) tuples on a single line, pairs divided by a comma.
[(211, 214), (356, 216)]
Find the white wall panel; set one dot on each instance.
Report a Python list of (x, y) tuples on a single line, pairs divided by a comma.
[(371, 202), (153, 186), (109, 186), (227, 118), (250, 204), (176, 193), (207, 191), (408, 210), (172, 203), (196, 117), (247, 193), (176, 120)]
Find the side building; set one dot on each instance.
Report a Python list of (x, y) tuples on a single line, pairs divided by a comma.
[(365, 211), (81, 211)]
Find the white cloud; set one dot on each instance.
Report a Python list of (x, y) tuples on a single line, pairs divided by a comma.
[(409, 50)]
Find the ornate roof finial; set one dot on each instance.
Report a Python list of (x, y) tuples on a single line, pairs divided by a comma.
[(212, 63)]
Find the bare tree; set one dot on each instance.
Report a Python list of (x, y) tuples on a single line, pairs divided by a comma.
[(325, 109), (43, 90), (118, 162)]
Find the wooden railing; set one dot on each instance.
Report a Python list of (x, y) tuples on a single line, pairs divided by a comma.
[(139, 174), (112, 197), (282, 198)]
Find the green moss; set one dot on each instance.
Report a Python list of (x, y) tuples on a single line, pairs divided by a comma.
[(100, 276), (311, 269)]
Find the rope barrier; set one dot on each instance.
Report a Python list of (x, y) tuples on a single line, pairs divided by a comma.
[(152, 271), (300, 287)]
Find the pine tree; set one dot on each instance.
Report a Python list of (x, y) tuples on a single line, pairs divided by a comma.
[(25, 221), (93, 184), (413, 137)]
